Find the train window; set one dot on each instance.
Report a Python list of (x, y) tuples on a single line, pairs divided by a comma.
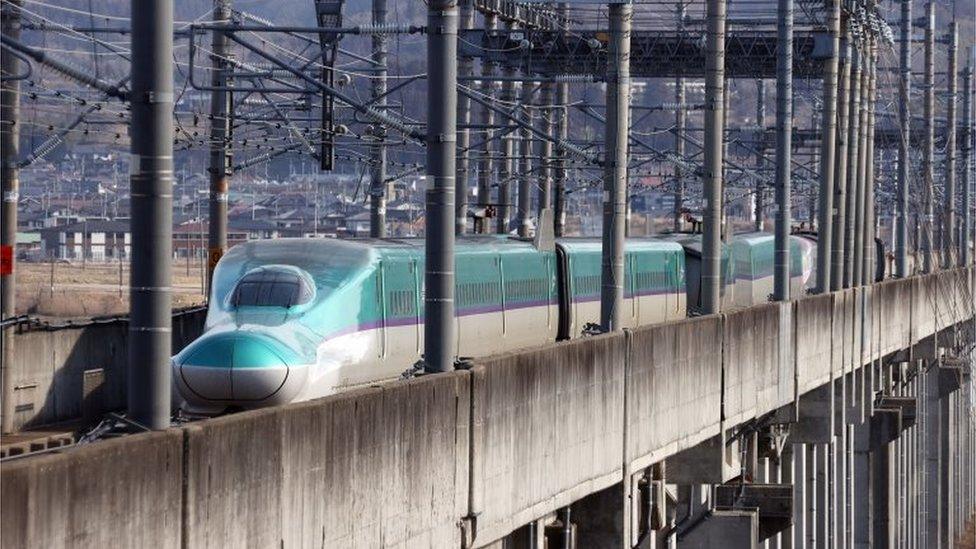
[(272, 287)]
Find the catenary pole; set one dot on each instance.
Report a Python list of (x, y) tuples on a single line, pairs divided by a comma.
[(904, 141), (151, 182), (825, 207), (853, 156), (524, 213), (680, 118), (562, 133), (545, 148), (615, 167), (784, 144), (862, 162), (760, 191), (840, 162), (465, 69), (712, 167), (967, 162), (377, 170), (507, 168), (870, 225), (220, 124), (442, 29), (9, 174), (485, 164), (949, 258), (928, 146)]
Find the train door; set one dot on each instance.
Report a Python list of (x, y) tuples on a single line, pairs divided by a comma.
[(564, 291), (381, 306), (630, 286)]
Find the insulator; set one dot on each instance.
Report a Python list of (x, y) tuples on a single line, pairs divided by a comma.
[(573, 78), (385, 28)]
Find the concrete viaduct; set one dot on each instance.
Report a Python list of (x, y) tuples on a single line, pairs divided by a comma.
[(837, 420)]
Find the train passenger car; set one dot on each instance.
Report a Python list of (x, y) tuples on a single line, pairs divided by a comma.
[(753, 255), (692, 245), (654, 280), (295, 319)]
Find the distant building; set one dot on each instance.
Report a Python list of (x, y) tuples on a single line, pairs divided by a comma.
[(191, 239), (95, 240)]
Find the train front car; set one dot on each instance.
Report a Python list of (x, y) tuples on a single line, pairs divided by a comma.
[(273, 306)]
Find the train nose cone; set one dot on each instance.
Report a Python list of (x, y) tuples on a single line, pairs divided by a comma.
[(237, 366)]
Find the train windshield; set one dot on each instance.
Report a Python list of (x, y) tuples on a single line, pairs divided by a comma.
[(273, 286)]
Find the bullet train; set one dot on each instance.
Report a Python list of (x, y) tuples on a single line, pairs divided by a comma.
[(296, 319)]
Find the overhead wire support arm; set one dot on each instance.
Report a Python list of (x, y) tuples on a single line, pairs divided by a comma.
[(558, 143), (53, 141), (365, 30), (65, 69), (366, 110)]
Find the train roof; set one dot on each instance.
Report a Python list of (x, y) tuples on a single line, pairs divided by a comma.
[(632, 244)]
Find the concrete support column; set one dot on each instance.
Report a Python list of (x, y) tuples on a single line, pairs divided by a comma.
[(930, 447), (850, 495), (945, 470), (881, 480), (862, 486), (824, 505), (787, 475), (602, 518), (813, 496)]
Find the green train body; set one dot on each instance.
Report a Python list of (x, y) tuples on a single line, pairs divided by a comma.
[(295, 319)]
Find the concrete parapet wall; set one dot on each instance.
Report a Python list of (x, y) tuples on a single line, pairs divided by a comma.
[(49, 364), (814, 341), (463, 458), (674, 398), (381, 467), (557, 404), (118, 493)]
